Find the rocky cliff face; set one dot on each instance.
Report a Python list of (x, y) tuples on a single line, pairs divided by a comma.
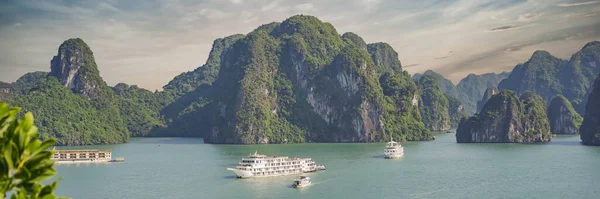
[(331, 82), (384, 57), (74, 66), (472, 88), (486, 96), (536, 126), (456, 110), (590, 129), (548, 76), (446, 85), (206, 74), (433, 104), (188, 94), (6, 91), (72, 103), (507, 118), (563, 118), (299, 81)]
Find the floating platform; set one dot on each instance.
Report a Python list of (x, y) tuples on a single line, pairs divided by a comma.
[(84, 156)]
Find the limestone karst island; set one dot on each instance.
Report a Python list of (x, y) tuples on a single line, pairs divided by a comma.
[(300, 99)]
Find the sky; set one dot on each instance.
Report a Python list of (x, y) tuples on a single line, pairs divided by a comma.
[(147, 43)]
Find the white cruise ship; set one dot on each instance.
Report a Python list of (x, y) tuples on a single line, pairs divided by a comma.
[(257, 165), (393, 150)]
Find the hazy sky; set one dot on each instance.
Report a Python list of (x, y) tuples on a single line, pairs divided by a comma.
[(148, 42)]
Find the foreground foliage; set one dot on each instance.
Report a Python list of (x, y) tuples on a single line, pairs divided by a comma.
[(24, 162)]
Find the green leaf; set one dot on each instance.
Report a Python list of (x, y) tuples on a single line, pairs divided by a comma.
[(8, 157), (24, 161)]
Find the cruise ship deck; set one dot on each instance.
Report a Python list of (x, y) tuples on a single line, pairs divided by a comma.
[(258, 165)]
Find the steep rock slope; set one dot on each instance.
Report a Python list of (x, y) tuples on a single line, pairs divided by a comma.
[(299, 81), (549, 76), (507, 118), (472, 88), (486, 96), (563, 118), (72, 103), (75, 68), (6, 91), (446, 85), (590, 129), (384, 57), (433, 104), (456, 110), (188, 93)]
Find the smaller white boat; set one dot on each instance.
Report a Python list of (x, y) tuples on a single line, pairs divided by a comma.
[(393, 150), (320, 168), (303, 181)]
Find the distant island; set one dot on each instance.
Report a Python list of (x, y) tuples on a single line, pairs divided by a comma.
[(301, 81), (563, 86)]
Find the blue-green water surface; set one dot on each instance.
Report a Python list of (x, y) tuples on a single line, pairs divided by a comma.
[(188, 168)]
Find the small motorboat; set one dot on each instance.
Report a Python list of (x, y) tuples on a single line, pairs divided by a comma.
[(303, 181), (320, 168)]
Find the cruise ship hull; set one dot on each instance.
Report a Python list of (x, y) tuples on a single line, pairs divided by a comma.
[(248, 174), (393, 156), (241, 174), (82, 161)]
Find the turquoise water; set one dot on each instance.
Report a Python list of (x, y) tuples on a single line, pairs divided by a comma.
[(187, 168)]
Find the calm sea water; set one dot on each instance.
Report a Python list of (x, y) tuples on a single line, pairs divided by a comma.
[(188, 168)]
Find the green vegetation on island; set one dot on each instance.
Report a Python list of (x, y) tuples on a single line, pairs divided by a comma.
[(73, 104), (563, 118), (401, 116), (456, 110), (469, 90), (139, 108), (507, 118), (549, 76), (71, 118), (590, 128), (433, 104)]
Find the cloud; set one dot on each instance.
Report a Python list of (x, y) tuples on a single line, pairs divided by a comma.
[(149, 42), (504, 28), (269, 6), (305, 7), (577, 4), (410, 65), (513, 49), (529, 16)]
